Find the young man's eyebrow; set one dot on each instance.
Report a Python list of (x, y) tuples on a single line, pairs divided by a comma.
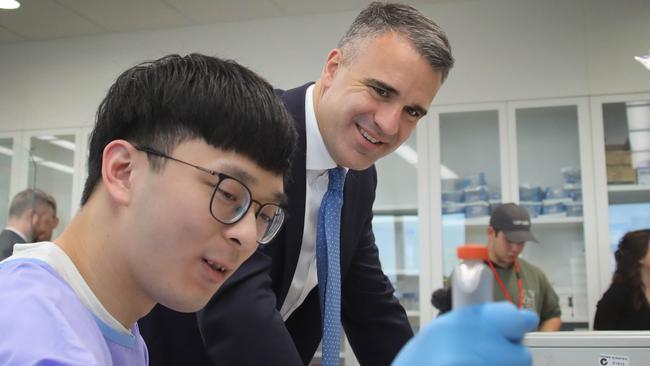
[(246, 178), (238, 173)]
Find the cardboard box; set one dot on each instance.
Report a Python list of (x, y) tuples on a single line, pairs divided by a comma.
[(618, 174), (618, 157)]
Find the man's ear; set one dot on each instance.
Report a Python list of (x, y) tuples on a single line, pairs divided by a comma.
[(332, 66), (117, 170), (490, 231)]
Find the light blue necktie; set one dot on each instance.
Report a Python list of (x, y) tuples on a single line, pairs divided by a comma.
[(328, 265)]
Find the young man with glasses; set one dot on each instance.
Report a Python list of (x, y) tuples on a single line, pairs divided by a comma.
[(185, 179)]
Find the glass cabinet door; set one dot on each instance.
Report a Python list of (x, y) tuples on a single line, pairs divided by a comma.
[(396, 225), (51, 169), (6, 155), (470, 177), (548, 155), (622, 156)]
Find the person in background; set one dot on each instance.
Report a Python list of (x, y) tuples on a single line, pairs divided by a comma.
[(626, 303), (185, 180), (515, 279), (314, 279), (32, 217)]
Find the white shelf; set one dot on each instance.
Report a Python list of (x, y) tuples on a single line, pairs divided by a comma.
[(483, 222), (628, 193), (557, 220)]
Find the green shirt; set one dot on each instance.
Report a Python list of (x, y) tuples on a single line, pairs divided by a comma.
[(538, 294)]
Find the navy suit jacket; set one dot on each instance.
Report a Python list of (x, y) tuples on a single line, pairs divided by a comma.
[(7, 240), (241, 325)]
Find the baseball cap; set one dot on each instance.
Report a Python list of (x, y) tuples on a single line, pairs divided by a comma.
[(514, 221)]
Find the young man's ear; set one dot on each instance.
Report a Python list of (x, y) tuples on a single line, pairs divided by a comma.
[(117, 170), (332, 66)]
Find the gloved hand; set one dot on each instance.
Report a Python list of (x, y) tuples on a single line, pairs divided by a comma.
[(477, 335)]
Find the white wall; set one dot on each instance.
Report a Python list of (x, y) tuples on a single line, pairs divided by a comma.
[(505, 50)]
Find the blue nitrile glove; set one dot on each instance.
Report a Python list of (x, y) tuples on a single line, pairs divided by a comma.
[(478, 335)]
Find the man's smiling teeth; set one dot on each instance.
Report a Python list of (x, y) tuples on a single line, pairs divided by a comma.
[(215, 266), (367, 136)]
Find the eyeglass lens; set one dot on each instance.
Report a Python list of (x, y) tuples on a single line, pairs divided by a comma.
[(230, 202)]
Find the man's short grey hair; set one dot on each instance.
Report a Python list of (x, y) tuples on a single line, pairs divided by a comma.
[(29, 198), (380, 18)]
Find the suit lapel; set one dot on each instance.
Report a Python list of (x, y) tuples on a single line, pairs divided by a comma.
[(294, 100)]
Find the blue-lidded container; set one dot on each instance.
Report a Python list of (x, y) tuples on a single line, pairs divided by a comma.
[(571, 175), (534, 208), (454, 196), (476, 194), (472, 181), (573, 209), (553, 193), (531, 193), (574, 191), (477, 209), (452, 208), (553, 207)]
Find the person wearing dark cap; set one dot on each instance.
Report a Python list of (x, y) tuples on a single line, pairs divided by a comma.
[(517, 280)]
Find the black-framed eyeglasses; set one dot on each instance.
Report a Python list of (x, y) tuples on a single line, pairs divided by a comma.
[(231, 200)]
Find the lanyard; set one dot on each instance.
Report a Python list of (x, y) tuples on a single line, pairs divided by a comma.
[(503, 287)]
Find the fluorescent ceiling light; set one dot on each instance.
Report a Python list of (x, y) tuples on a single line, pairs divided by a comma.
[(407, 153), (411, 156), (9, 4), (644, 60), (68, 145), (446, 173), (53, 165), (6, 151)]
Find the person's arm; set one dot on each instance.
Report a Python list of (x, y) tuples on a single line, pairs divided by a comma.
[(551, 311), (374, 321), (551, 325), (241, 325), (608, 310)]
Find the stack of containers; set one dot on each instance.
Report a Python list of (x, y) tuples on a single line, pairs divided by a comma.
[(469, 195), (452, 198), (554, 201), (573, 187), (476, 195), (531, 196)]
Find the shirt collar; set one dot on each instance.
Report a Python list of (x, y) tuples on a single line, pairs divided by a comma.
[(318, 158)]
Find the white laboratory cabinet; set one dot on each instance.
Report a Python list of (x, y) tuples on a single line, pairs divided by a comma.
[(536, 153), (589, 348)]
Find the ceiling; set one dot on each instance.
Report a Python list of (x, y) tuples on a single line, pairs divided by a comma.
[(38, 20)]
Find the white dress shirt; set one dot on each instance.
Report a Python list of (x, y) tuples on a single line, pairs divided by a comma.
[(318, 162)]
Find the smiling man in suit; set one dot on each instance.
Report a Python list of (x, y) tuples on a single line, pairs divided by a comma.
[(373, 89)]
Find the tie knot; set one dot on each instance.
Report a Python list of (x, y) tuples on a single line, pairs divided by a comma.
[(336, 180)]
